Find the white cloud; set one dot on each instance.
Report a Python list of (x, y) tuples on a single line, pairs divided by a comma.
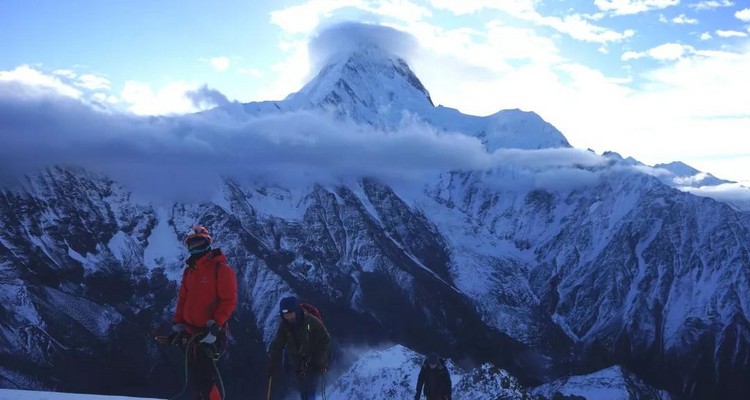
[(250, 71), (172, 99), (664, 52), (669, 51), (349, 36), (404, 10), (105, 98), (305, 18), (66, 73), (220, 63), (158, 155), (732, 193), (743, 15), (32, 82), (682, 19), (685, 101), (671, 110), (727, 34), (632, 55), (291, 74), (517, 8), (626, 7), (711, 4), (93, 82), (705, 36), (724, 166), (576, 26), (579, 28)]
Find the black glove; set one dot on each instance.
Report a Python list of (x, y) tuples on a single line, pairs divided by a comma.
[(271, 370), (178, 332), (213, 332), (417, 396)]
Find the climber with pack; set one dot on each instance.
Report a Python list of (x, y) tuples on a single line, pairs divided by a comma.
[(434, 379), (302, 333), (206, 300)]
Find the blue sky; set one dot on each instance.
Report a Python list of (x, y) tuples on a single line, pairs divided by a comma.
[(659, 80)]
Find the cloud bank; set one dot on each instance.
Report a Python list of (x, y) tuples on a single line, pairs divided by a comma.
[(178, 157)]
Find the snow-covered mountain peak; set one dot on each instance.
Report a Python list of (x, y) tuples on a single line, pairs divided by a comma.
[(685, 175), (520, 129), (617, 157), (365, 81)]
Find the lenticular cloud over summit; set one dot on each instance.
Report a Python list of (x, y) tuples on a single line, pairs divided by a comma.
[(347, 37)]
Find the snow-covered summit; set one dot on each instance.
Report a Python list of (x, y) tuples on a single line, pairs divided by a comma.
[(367, 79), (372, 86)]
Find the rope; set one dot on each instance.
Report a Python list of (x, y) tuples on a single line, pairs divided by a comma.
[(187, 355), (208, 354), (218, 378), (270, 380)]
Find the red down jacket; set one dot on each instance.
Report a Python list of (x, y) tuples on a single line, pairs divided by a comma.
[(208, 291)]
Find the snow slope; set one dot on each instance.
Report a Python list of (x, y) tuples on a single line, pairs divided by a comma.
[(7, 394)]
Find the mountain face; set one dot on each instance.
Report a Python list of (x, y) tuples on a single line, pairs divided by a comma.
[(545, 283), (612, 383)]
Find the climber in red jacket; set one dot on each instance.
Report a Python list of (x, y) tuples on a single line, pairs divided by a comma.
[(207, 298)]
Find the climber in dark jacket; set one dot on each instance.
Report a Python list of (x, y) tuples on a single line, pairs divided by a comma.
[(435, 379), (306, 341)]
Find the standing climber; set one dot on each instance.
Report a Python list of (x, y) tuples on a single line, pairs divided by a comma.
[(207, 299)]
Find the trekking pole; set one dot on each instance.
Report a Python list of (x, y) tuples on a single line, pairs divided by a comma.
[(270, 380), (324, 383)]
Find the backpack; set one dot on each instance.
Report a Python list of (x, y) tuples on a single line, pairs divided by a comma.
[(312, 310)]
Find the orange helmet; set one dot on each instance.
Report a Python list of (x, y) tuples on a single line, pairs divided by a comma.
[(198, 238)]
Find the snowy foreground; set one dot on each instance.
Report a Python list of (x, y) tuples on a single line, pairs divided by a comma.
[(391, 373), (6, 394)]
